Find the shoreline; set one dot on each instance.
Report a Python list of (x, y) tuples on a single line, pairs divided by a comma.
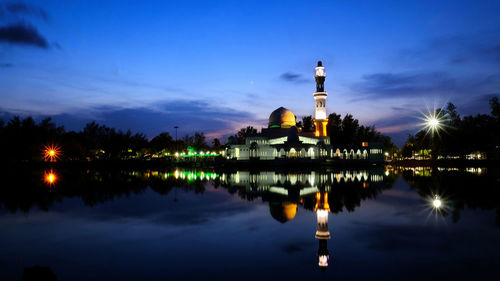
[(250, 164)]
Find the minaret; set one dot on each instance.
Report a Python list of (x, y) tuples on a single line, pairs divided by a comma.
[(320, 120)]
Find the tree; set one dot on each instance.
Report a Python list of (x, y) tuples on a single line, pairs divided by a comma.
[(349, 129), (162, 142), (495, 107), (216, 145), (243, 133), (451, 110), (199, 141), (308, 124), (334, 128)]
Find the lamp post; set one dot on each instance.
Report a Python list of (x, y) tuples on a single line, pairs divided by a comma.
[(176, 144)]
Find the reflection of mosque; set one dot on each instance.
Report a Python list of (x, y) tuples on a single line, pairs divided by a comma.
[(319, 191), (312, 190), (322, 209)]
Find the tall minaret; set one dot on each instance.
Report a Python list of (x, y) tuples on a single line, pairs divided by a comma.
[(320, 95)]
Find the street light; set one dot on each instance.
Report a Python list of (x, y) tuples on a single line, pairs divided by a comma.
[(434, 121), (176, 127), (176, 144)]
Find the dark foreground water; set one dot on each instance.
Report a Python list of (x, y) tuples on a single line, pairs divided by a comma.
[(382, 224)]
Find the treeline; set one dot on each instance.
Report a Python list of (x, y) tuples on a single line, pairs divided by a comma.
[(346, 132), (458, 136), (24, 140)]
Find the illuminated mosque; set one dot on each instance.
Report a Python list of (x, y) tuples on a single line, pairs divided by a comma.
[(283, 140)]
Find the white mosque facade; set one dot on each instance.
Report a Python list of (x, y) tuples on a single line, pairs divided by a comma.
[(283, 140)]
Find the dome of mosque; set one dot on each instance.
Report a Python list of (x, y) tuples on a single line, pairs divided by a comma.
[(281, 118), (283, 211)]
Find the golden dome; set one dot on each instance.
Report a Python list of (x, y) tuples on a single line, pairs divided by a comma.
[(283, 211), (281, 118)]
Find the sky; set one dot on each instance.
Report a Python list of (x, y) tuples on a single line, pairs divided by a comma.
[(217, 66)]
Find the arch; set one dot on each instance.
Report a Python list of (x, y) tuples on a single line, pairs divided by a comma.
[(281, 153), (337, 153), (310, 152), (365, 154), (351, 154)]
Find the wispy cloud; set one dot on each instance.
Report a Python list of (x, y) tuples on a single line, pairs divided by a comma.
[(22, 34), (21, 8), (293, 78)]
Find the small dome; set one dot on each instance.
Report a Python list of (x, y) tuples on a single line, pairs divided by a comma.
[(283, 211), (281, 118)]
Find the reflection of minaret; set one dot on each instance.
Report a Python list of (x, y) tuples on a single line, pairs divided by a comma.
[(320, 120), (322, 209)]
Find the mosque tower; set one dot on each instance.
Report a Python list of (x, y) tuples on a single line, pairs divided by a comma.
[(320, 120)]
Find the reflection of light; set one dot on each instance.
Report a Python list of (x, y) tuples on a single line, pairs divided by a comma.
[(50, 177), (322, 216), (322, 205), (176, 174), (437, 202), (323, 260)]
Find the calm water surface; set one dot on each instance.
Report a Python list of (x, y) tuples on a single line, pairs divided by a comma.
[(377, 224)]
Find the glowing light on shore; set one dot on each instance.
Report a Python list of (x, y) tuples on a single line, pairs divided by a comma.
[(434, 120), (51, 152)]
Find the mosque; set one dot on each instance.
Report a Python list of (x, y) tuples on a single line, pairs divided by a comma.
[(283, 140)]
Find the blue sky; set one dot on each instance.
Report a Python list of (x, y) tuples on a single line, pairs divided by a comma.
[(216, 66)]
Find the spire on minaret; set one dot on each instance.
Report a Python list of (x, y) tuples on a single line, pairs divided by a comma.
[(320, 77)]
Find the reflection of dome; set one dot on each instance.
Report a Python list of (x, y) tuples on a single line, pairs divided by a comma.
[(283, 211), (281, 117)]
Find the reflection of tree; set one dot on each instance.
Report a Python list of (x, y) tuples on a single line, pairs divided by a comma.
[(24, 188), (459, 188)]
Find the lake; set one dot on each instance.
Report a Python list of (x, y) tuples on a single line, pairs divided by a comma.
[(376, 223)]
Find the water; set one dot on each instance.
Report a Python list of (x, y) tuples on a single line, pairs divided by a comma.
[(383, 224)]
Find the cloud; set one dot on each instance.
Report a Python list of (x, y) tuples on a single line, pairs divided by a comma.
[(425, 84), (404, 84), (190, 116), (23, 8), (22, 34), (293, 78), (457, 49)]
